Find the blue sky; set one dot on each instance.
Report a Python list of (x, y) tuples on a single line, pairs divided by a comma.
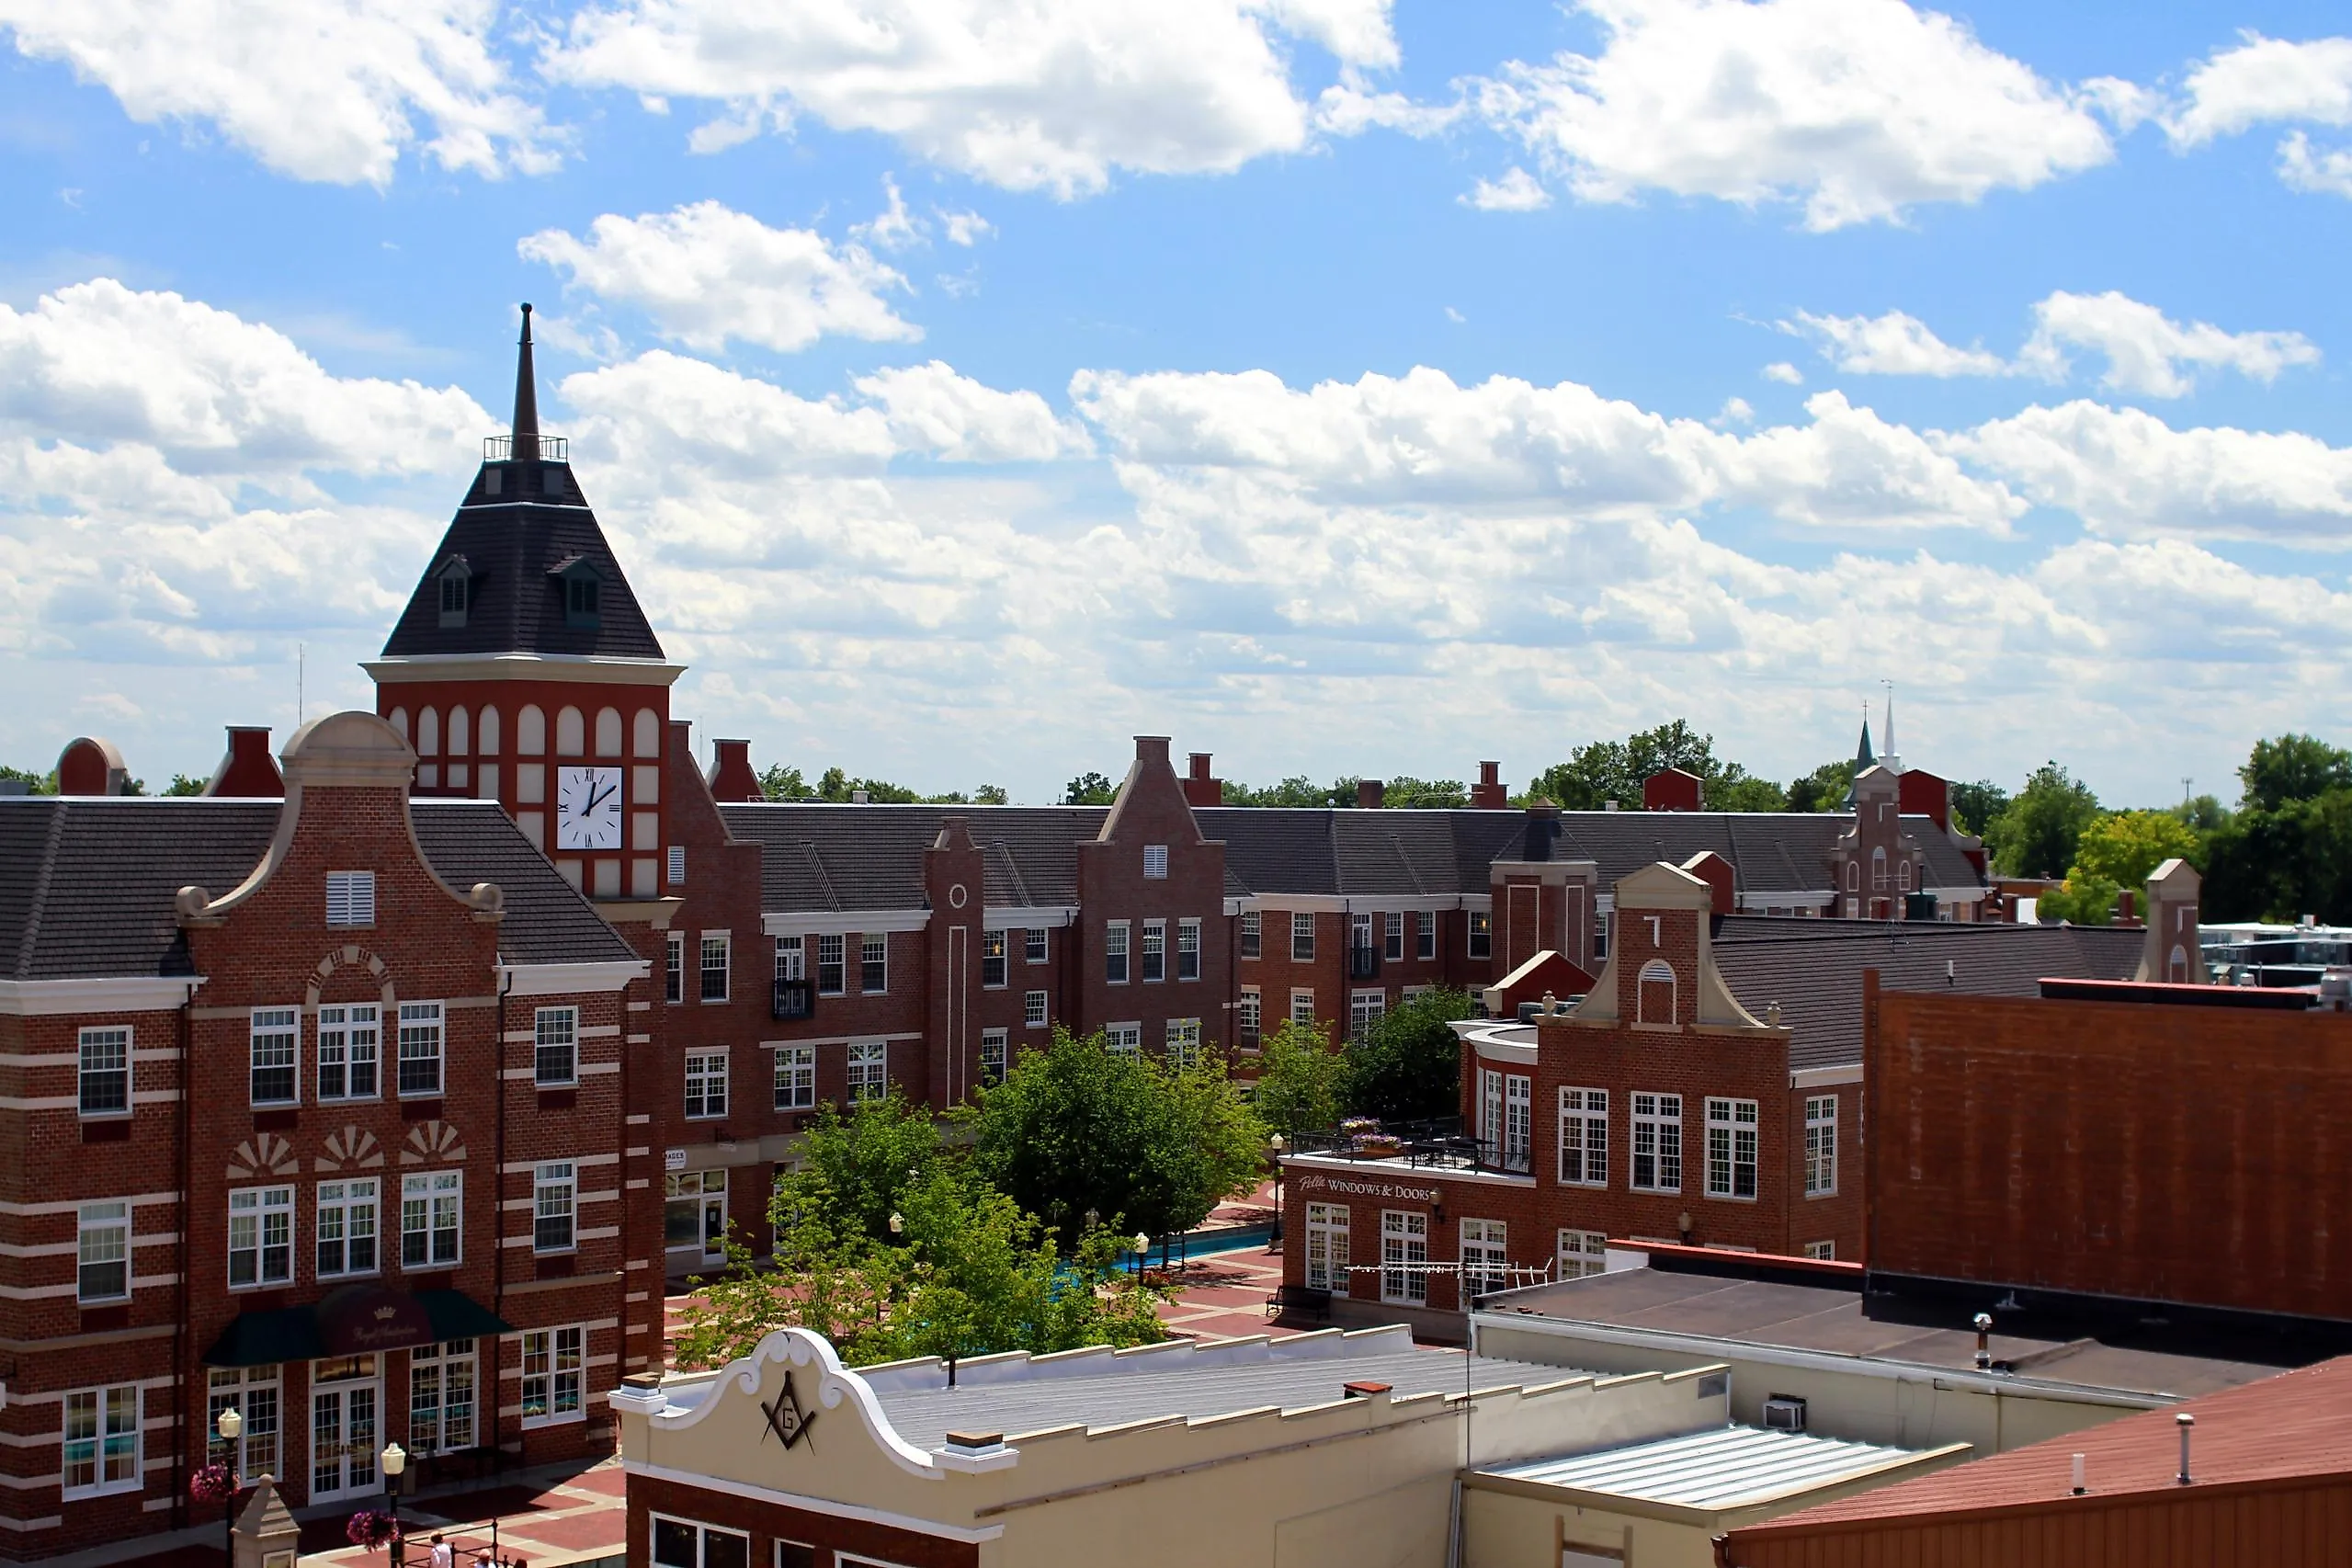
[(1338, 386)]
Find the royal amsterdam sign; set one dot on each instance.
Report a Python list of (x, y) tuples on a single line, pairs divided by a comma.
[(1352, 1189)]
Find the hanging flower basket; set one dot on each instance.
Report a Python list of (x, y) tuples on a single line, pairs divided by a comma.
[(371, 1527), (212, 1484)]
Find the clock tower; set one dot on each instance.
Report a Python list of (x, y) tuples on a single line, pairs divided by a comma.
[(524, 671)]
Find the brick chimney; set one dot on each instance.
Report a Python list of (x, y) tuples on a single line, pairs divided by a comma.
[(89, 765), (1199, 788), (1543, 827), (1488, 794), (1369, 792), (732, 779), (1672, 789), (248, 772)]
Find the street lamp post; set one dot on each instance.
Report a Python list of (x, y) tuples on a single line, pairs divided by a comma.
[(229, 1425), (394, 1461), (1276, 1141)]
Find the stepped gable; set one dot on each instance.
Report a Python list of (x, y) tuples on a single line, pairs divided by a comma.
[(524, 527)]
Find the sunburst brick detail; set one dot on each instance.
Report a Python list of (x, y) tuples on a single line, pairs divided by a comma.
[(429, 1141), (266, 1151), (351, 1146)]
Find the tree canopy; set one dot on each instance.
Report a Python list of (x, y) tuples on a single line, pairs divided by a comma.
[(2036, 835), (1298, 1080), (1825, 789), (1090, 789), (1975, 805), (778, 782), (1407, 1067)]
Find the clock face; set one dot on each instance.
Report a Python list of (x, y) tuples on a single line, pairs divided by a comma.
[(587, 807)]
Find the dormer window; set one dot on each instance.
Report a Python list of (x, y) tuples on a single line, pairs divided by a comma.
[(582, 587), (457, 590)]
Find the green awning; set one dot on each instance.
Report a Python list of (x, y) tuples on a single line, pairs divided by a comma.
[(295, 1334), (456, 1315), (264, 1339)]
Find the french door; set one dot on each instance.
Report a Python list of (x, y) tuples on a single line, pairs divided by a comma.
[(345, 1399)]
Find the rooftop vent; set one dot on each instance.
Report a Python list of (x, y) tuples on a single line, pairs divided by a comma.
[(1364, 1390), (1784, 1413)]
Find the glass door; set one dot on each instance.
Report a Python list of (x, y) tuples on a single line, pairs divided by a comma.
[(714, 1217), (345, 1397)]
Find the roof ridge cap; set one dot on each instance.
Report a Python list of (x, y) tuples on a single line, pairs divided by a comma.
[(40, 901)]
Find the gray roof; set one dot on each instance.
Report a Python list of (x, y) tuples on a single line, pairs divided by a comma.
[(1015, 1395), (511, 542), (87, 882), (1814, 967), (822, 856), (1718, 1470)]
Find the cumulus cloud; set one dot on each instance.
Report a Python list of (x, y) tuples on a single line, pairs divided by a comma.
[(331, 90), (705, 273), (2264, 80), (2326, 171), (2149, 353), (931, 409), (1053, 96), (1857, 109), (1895, 344), (1785, 374), (1516, 191)]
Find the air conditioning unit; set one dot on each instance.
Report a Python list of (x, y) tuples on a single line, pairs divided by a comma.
[(1784, 1413)]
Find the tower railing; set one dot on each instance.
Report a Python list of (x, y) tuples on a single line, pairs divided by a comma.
[(501, 448)]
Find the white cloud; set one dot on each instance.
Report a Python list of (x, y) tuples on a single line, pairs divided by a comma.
[(706, 273), (2264, 80), (892, 228), (965, 228), (2146, 351), (931, 409), (1054, 95), (2326, 171), (1895, 344), (1857, 108), (1785, 374), (1735, 410), (333, 90), (1516, 191)]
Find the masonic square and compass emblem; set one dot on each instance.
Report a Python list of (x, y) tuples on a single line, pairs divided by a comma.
[(786, 1418)]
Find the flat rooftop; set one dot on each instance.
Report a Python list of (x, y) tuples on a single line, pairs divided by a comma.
[(1719, 1470), (1728, 1305)]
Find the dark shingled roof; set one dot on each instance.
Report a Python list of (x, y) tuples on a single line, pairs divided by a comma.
[(86, 883), (1813, 968), (833, 856), (511, 541)]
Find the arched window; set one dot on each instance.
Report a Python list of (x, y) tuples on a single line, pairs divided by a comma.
[(398, 720), (461, 734), (429, 733), (649, 734), (489, 736), (1902, 875), (1878, 870), (531, 732), (1853, 876), (608, 733), (1655, 1004), (571, 733)]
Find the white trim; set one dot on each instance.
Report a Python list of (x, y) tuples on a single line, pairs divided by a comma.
[(566, 979), (1492, 1049), (1033, 918), (1297, 903), (125, 994), (835, 1383), (843, 923), (826, 1506), (841, 1039), (1337, 1164), (1753, 899), (1821, 1077), (586, 669)]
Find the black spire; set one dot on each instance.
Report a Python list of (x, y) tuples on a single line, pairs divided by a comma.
[(525, 442)]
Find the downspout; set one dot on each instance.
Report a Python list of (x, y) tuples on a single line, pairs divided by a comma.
[(184, 1374), (498, 1193)]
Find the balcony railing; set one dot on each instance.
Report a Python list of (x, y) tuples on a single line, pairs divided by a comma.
[(1363, 962), (1433, 1144), (501, 448), (794, 999)]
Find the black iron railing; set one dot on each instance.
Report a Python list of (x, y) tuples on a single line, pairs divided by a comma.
[(1363, 962), (1438, 1141), (794, 999)]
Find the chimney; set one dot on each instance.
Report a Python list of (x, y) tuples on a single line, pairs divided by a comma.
[(1543, 826), (1488, 794), (248, 772), (89, 765), (1369, 794), (731, 778), (1153, 749), (2125, 913), (1199, 788)]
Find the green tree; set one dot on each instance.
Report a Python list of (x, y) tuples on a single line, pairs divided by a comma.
[(1089, 789), (1214, 1145), (854, 1168), (40, 784), (1746, 794), (1293, 792), (2283, 863), (2294, 767), (1408, 1065), (1975, 805), (1299, 1078), (1823, 789), (1602, 771), (2083, 899), (182, 784), (1408, 793), (782, 783), (991, 795), (2204, 812), (2123, 847), (2036, 836)]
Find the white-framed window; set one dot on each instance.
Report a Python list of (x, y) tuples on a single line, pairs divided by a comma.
[(1853, 906), (873, 963), (1405, 1248), (555, 1374), (252, 1393), (791, 959), (1481, 940), (831, 976), (995, 1046), (351, 898), (675, 867), (995, 961), (718, 966), (1392, 937), (1878, 870), (102, 1440), (102, 1246), (1123, 1040), (1246, 1013), (350, 1046), (1155, 862), (1328, 1247), (1187, 949), (276, 1044), (106, 1072), (674, 967), (443, 1384), (1821, 1145), (1902, 876), (705, 1085), (346, 1225), (1485, 1258), (420, 1049), (1655, 993), (1657, 1143), (1033, 949), (1184, 1043), (1302, 938), (261, 1236), (1426, 938), (1115, 952), (1252, 935), (1302, 1008), (555, 1057), (678, 1543), (1822, 1252), (869, 1076), (432, 1211), (555, 1203), (796, 1077), (1504, 1118), (1033, 1009), (1583, 1253), (1155, 951), (1731, 1148), (1365, 1008), (1584, 1137), (1604, 920), (1360, 932)]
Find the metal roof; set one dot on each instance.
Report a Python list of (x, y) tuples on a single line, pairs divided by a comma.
[(1729, 1466)]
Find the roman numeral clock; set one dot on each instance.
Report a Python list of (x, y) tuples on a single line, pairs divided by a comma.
[(587, 807)]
